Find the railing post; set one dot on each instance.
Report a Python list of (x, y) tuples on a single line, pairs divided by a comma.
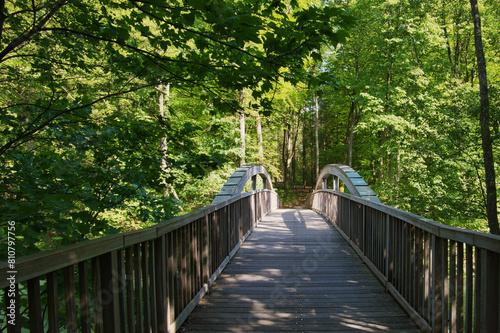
[(325, 184), (254, 182), (487, 290)]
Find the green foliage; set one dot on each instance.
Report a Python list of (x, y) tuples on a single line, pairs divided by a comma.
[(83, 149), (408, 71)]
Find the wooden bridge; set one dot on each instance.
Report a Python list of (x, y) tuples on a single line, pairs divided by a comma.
[(349, 263)]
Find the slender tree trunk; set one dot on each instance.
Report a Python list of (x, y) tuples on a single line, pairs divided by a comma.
[(484, 119), (163, 100), (294, 149), (164, 96), (242, 128), (242, 137), (284, 156), (304, 157), (259, 139), (352, 122), (317, 132)]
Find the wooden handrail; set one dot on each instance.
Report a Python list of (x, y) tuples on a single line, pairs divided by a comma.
[(143, 280), (447, 278)]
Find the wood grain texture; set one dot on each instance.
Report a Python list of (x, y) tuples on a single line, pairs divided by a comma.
[(296, 273)]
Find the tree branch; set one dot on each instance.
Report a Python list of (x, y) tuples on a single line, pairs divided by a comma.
[(59, 113), (24, 37)]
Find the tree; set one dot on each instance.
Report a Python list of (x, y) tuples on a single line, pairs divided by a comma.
[(80, 146), (484, 119)]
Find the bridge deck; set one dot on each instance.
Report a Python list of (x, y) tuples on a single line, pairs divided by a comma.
[(296, 273)]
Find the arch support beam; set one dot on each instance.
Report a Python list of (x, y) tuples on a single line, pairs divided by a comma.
[(239, 178), (354, 182)]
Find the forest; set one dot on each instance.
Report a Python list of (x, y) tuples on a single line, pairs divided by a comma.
[(119, 114)]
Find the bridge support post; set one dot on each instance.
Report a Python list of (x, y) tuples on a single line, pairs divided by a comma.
[(335, 183), (264, 183), (254, 182), (325, 184)]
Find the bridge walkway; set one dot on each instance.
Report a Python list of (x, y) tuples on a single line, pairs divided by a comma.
[(295, 273)]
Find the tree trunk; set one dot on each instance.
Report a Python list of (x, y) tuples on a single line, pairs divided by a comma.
[(294, 149), (259, 139), (163, 100), (317, 132), (284, 156), (484, 119), (242, 128), (242, 137), (304, 157), (352, 122), (164, 96)]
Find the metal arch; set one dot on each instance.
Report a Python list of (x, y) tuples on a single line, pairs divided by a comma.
[(354, 182), (238, 180)]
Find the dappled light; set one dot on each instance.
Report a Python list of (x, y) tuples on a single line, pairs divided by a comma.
[(296, 273)]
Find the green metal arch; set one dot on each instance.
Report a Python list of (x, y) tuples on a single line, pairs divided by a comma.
[(354, 182), (238, 180)]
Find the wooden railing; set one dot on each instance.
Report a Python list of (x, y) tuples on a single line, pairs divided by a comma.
[(448, 279), (142, 281)]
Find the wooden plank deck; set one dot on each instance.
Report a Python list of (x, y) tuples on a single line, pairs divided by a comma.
[(295, 273)]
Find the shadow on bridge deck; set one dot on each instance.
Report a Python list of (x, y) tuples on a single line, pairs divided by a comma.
[(296, 273)]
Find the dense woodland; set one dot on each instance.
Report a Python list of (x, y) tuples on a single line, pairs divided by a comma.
[(118, 114)]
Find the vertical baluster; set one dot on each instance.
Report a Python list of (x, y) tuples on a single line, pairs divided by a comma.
[(452, 286), (160, 284), (205, 257), (419, 283), (52, 302), (139, 314), (427, 278), (460, 287), (120, 289), (439, 258), (152, 286), (407, 261), (129, 281), (83, 286), (184, 274), (192, 268), (469, 288), (96, 294), (109, 292), (171, 277), (145, 287), (396, 238), (34, 305), (388, 253), (411, 298), (69, 297), (197, 241)]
